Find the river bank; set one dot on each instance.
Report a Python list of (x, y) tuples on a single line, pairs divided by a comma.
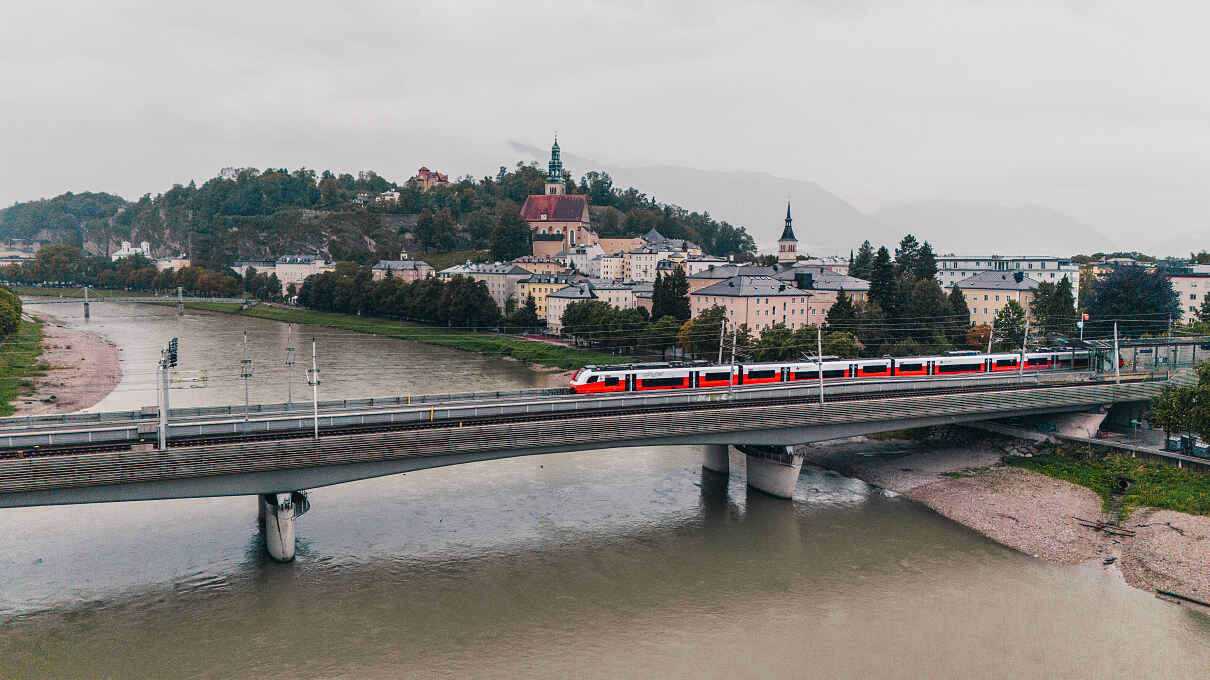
[(967, 481), (81, 370)]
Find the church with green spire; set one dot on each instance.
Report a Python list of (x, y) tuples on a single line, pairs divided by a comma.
[(554, 173)]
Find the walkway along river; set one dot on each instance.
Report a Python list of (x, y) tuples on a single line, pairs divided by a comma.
[(619, 563)]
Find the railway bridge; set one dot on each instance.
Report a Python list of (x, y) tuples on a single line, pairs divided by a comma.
[(276, 451)]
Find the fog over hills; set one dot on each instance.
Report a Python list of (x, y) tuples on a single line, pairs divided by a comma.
[(969, 228), (827, 224)]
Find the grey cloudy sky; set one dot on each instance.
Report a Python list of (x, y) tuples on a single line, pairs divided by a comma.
[(1099, 109)]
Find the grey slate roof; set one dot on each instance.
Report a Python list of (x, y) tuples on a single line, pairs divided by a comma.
[(751, 286), (486, 268), (727, 271), (823, 278), (579, 291), (400, 265), (997, 281)]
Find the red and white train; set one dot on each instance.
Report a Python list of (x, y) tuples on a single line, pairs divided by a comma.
[(664, 376)]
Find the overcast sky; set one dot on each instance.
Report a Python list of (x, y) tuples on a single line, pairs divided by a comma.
[(1098, 109)]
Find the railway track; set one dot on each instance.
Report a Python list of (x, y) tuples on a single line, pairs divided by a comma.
[(345, 430)]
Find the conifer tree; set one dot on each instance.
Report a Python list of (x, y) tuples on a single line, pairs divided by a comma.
[(859, 265)]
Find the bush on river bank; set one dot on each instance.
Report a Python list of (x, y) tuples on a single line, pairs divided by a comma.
[(1151, 484)]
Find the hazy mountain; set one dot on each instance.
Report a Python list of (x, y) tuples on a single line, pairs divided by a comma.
[(823, 222), (964, 228), (1181, 246)]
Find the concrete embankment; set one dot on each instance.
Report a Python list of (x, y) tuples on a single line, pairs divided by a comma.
[(1031, 512), (83, 370)]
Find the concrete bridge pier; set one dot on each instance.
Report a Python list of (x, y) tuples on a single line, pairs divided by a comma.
[(716, 458), (278, 512), (773, 469), (1079, 424)]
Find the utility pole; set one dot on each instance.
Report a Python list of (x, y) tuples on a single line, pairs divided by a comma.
[(289, 367), (819, 360), (245, 372), (313, 378), (85, 302), (167, 361), (1021, 366), (722, 327), (991, 334), (731, 379), (180, 301), (1117, 364)]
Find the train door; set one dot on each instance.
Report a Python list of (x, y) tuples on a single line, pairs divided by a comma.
[(739, 374), (693, 379), (630, 382), (932, 368), (852, 370), (785, 374)]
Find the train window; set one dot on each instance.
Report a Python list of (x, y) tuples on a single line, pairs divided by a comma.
[(663, 382), (1001, 363), (835, 373), (716, 376), (593, 379), (910, 367), (877, 368), (611, 382), (959, 368), (1036, 361), (757, 375)]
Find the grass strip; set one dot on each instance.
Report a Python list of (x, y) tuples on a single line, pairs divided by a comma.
[(532, 351), (19, 363), (1154, 485)]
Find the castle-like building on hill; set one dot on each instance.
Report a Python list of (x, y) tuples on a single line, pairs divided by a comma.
[(558, 222)]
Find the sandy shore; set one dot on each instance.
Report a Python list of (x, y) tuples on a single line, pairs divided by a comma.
[(84, 369), (1029, 511)]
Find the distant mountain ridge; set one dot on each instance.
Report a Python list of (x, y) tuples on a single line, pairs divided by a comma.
[(825, 223)]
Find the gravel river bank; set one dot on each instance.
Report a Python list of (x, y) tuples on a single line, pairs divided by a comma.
[(1029, 511)]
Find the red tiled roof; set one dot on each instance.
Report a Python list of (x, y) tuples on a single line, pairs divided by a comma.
[(557, 208)]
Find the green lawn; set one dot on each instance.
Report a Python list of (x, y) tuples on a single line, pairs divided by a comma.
[(441, 261), (47, 291), (19, 363), (531, 351), (1155, 485)]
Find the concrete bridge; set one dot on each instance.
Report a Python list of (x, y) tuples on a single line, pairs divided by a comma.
[(277, 451)]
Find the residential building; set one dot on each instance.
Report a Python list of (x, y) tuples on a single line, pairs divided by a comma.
[(988, 292), (700, 263), (541, 265), (619, 245), (580, 258), (127, 250), (615, 294), (838, 264), (502, 278), (641, 262), (541, 285), (1192, 290), (952, 269), (173, 263), (721, 272), (294, 269), (658, 241), (261, 266), (613, 266), (387, 197), (758, 301), (427, 179), (824, 285), (787, 245), (407, 270)]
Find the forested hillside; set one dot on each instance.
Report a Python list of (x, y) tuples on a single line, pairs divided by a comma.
[(252, 214)]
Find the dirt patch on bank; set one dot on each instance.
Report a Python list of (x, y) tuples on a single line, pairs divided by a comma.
[(83, 370), (1029, 511)]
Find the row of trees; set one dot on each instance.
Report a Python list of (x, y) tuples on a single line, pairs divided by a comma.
[(67, 265), (10, 311), (1184, 408)]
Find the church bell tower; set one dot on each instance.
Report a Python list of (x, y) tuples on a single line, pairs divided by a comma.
[(787, 245), (554, 173)]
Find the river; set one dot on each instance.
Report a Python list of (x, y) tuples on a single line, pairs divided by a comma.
[(612, 563)]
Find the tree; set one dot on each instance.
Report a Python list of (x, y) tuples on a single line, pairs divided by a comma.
[(425, 229), (700, 336), (1203, 312), (444, 234), (882, 280), (777, 343), (842, 313), (907, 255), (670, 295), (10, 321), (1009, 327), (842, 345), (1170, 409), (1138, 300), (977, 336), (1054, 307), (925, 266), (524, 316), (511, 235), (929, 315), (859, 266), (662, 334), (962, 315)]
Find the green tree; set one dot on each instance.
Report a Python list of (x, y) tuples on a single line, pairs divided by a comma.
[(662, 334), (670, 295), (883, 281), (700, 336), (842, 345), (10, 321), (511, 235), (907, 255), (776, 343), (842, 314), (925, 266), (1054, 307), (1138, 300), (859, 265), (1009, 327), (961, 314), (1203, 312)]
